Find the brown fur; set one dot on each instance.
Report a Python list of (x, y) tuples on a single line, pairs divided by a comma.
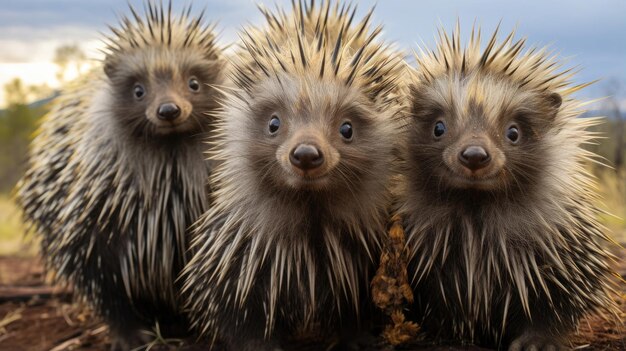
[(286, 251), (511, 253), (112, 188), (165, 75)]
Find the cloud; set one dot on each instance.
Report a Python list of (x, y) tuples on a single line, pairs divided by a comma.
[(588, 33), (23, 44)]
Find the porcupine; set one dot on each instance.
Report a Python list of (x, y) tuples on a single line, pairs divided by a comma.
[(305, 147), (117, 173), (499, 209)]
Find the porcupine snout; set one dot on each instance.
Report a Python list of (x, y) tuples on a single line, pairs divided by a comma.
[(474, 157), (306, 156), (168, 111)]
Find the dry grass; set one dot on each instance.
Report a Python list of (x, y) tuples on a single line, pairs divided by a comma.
[(612, 188), (9, 318), (13, 241)]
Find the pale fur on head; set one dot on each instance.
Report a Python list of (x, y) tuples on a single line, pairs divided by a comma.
[(312, 66), (162, 54), (530, 239)]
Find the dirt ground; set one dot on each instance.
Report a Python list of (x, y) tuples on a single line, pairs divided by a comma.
[(35, 316)]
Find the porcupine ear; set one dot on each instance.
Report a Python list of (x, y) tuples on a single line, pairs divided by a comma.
[(554, 101), (417, 99), (109, 68), (421, 104), (547, 104), (219, 64)]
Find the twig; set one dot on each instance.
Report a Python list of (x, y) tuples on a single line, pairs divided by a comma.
[(10, 317), (79, 340), (22, 293)]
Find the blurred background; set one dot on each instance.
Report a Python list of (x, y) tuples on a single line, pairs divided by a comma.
[(45, 44)]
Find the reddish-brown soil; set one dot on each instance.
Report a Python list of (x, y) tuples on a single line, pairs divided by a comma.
[(35, 316)]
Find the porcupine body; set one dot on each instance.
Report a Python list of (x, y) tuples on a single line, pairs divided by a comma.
[(40, 192), (305, 147), (498, 206), (117, 173)]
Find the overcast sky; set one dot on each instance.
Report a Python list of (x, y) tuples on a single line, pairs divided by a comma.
[(590, 34)]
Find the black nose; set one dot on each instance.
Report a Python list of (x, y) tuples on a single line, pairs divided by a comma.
[(306, 157), (474, 158), (169, 111)]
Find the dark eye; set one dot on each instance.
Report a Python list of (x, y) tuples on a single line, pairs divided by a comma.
[(513, 134), (440, 129), (346, 131), (194, 85), (139, 91), (274, 124)]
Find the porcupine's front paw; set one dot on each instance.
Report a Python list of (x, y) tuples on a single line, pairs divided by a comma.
[(536, 341), (255, 345), (361, 341), (136, 339)]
